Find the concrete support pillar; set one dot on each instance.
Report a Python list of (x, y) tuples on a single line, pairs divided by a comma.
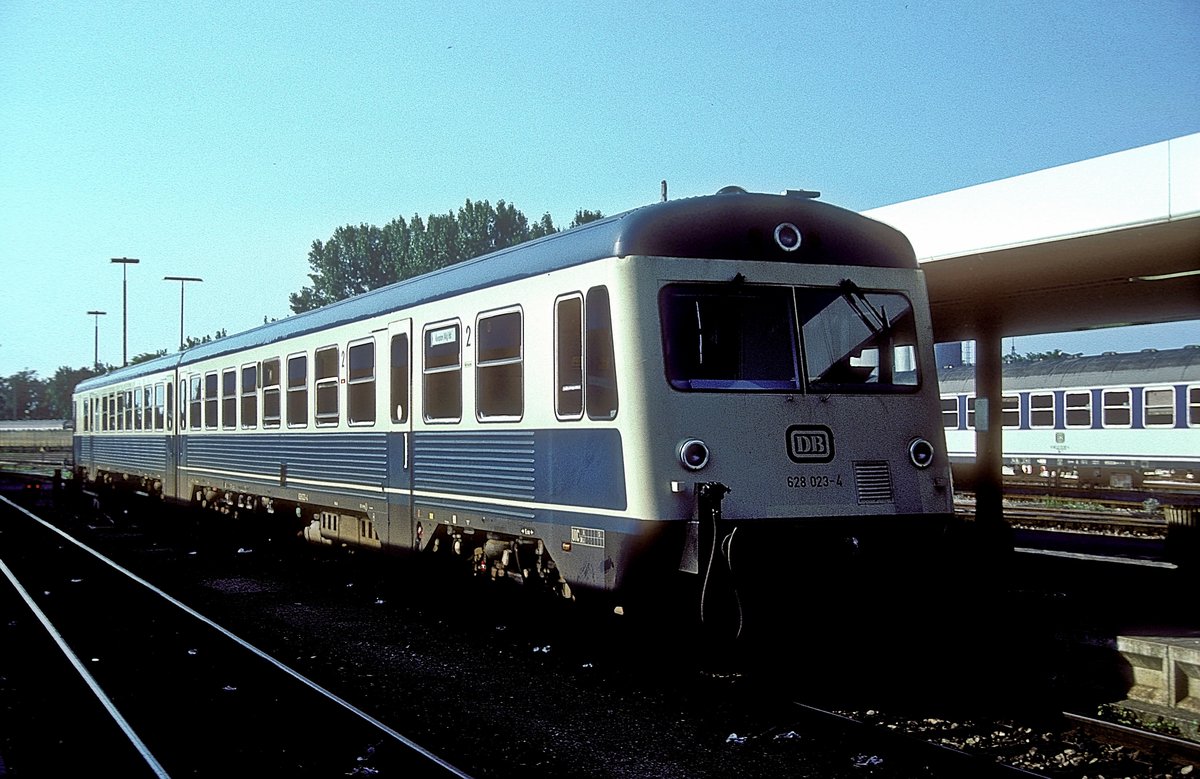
[(989, 440)]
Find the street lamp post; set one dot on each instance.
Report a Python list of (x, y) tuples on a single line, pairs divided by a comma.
[(182, 280), (125, 262), (96, 353)]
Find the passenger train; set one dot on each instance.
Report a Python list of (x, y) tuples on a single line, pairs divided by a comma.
[(601, 410), (1106, 421)]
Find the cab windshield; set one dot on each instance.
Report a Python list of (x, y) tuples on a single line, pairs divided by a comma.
[(742, 337)]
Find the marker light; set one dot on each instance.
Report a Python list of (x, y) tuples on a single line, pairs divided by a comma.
[(787, 235), (693, 453), (921, 453)]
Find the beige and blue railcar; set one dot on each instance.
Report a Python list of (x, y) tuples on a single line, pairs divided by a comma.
[(573, 410)]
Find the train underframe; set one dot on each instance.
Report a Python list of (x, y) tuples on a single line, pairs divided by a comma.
[(464, 551), (711, 570)]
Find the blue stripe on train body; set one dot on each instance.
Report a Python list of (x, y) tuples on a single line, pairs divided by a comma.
[(581, 468)]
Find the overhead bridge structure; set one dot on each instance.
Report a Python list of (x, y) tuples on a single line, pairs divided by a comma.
[(1109, 241)]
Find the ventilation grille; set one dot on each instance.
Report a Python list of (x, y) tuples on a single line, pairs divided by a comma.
[(873, 482)]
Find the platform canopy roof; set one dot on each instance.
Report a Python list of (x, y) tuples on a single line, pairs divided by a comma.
[(1109, 241)]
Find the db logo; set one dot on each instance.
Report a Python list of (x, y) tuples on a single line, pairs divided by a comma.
[(810, 443)]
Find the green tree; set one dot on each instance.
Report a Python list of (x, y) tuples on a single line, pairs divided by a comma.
[(543, 227), (583, 216), (359, 258), (1054, 354), (194, 341), (59, 388), (23, 396)]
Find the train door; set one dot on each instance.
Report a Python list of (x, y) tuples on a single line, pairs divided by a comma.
[(403, 529), (170, 467)]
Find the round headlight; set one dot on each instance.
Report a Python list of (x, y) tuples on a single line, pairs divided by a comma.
[(921, 453), (693, 453), (787, 235)]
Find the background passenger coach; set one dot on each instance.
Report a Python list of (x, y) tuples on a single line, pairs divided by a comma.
[(689, 387)]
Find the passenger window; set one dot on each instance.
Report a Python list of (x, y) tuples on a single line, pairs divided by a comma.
[(1011, 410), (271, 402), (971, 413), (400, 378), (249, 396), (360, 383), (568, 357), (1160, 407), (1078, 409), (327, 385), (950, 413), (194, 404), (1118, 408), (160, 401), (442, 384), (210, 400), (601, 394), (138, 409), (229, 398), (499, 376), (1194, 406), (297, 391), (127, 395), (1041, 410)]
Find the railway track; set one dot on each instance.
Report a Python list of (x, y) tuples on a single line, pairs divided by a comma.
[(533, 705), (164, 690), (1118, 519)]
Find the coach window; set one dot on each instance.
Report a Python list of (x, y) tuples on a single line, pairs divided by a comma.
[(1118, 408), (249, 396), (160, 405), (360, 383), (121, 397), (1010, 411), (499, 379), (950, 413), (196, 406), (211, 405), (297, 391), (183, 404), (568, 357), (128, 395), (601, 394), (229, 398), (971, 412), (1041, 410), (1160, 407), (1194, 406), (138, 409), (442, 373), (271, 402), (148, 406), (400, 378), (1079, 409), (327, 385)]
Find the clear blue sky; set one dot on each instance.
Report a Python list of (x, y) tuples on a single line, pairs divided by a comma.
[(220, 139)]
